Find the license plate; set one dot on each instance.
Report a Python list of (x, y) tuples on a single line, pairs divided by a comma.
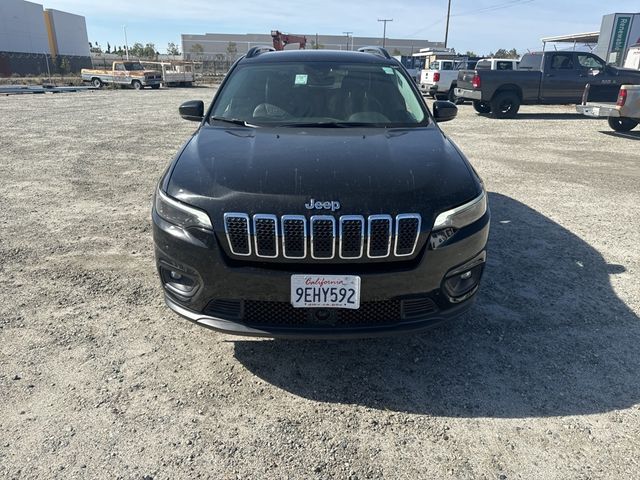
[(325, 291)]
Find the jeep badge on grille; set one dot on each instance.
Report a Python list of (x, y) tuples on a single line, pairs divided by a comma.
[(317, 205)]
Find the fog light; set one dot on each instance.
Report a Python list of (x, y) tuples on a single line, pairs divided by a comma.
[(461, 286), (178, 282)]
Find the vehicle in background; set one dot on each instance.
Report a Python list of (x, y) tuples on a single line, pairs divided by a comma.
[(175, 74), (497, 64), (129, 73), (543, 78), (440, 80), (633, 58), (623, 112), (414, 65)]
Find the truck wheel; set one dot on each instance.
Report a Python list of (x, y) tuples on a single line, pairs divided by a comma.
[(505, 105), (481, 107), (622, 124), (136, 84), (96, 82)]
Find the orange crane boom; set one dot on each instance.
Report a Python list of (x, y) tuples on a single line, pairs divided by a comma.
[(280, 40)]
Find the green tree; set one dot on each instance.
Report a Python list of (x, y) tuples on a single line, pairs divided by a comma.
[(232, 51), (65, 66), (137, 50), (149, 51), (197, 50), (172, 49), (504, 53), (108, 48), (471, 53)]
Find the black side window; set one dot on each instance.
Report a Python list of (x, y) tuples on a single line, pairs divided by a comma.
[(562, 61), (590, 62), (120, 67), (505, 66)]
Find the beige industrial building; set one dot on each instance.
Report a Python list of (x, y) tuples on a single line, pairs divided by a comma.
[(216, 44)]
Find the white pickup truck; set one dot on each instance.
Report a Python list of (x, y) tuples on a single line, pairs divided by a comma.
[(442, 77), (623, 115), (174, 75)]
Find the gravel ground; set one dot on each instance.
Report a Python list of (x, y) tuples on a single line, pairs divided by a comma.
[(98, 379)]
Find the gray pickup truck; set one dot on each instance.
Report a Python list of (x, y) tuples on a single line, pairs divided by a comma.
[(548, 78)]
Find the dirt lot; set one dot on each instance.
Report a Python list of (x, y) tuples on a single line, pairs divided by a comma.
[(99, 380)]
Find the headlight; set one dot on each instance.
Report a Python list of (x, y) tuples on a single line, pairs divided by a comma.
[(463, 215), (179, 213)]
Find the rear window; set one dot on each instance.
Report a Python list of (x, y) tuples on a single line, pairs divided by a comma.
[(320, 93), (530, 61), (504, 65)]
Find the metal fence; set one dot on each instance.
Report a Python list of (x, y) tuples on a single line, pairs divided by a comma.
[(14, 64)]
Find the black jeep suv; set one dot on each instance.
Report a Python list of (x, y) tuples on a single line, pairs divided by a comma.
[(319, 198)]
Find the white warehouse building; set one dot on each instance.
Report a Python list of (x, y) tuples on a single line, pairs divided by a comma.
[(34, 40)]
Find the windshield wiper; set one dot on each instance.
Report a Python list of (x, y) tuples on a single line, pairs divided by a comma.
[(235, 121), (328, 124)]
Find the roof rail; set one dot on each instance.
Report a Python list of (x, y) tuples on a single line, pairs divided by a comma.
[(255, 51), (375, 51)]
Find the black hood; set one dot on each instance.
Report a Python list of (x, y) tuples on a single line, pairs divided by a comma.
[(369, 171)]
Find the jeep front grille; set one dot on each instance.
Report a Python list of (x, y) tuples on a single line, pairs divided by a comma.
[(322, 237)]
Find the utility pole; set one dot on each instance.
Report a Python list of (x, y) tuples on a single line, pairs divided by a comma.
[(126, 45), (384, 31), (347, 34), (446, 32)]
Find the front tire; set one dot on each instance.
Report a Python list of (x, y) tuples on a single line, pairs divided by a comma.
[(505, 105), (137, 84), (481, 107), (622, 124)]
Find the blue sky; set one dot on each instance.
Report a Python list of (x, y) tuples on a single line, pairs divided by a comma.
[(478, 25)]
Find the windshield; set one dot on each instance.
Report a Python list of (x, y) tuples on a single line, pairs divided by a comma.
[(319, 94), (133, 66)]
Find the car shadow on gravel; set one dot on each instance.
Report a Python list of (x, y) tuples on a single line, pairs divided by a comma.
[(548, 336)]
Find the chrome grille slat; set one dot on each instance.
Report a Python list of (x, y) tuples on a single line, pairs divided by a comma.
[(407, 231), (379, 236), (322, 237), (351, 236), (294, 236), (265, 235), (236, 227)]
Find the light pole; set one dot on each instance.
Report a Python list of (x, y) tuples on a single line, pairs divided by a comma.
[(347, 34), (446, 32), (126, 45), (384, 31)]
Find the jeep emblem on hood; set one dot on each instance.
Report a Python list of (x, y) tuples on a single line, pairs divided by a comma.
[(317, 205)]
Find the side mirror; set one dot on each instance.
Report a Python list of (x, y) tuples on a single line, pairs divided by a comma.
[(192, 110), (443, 111)]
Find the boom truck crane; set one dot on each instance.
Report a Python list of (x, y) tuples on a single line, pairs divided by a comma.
[(281, 40)]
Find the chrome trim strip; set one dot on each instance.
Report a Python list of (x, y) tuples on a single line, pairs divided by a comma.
[(403, 216), (264, 216), (226, 231), (314, 219), (378, 217), (304, 229), (447, 218), (343, 219)]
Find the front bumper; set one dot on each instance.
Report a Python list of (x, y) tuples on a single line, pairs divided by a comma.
[(470, 94), (249, 298), (149, 82)]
